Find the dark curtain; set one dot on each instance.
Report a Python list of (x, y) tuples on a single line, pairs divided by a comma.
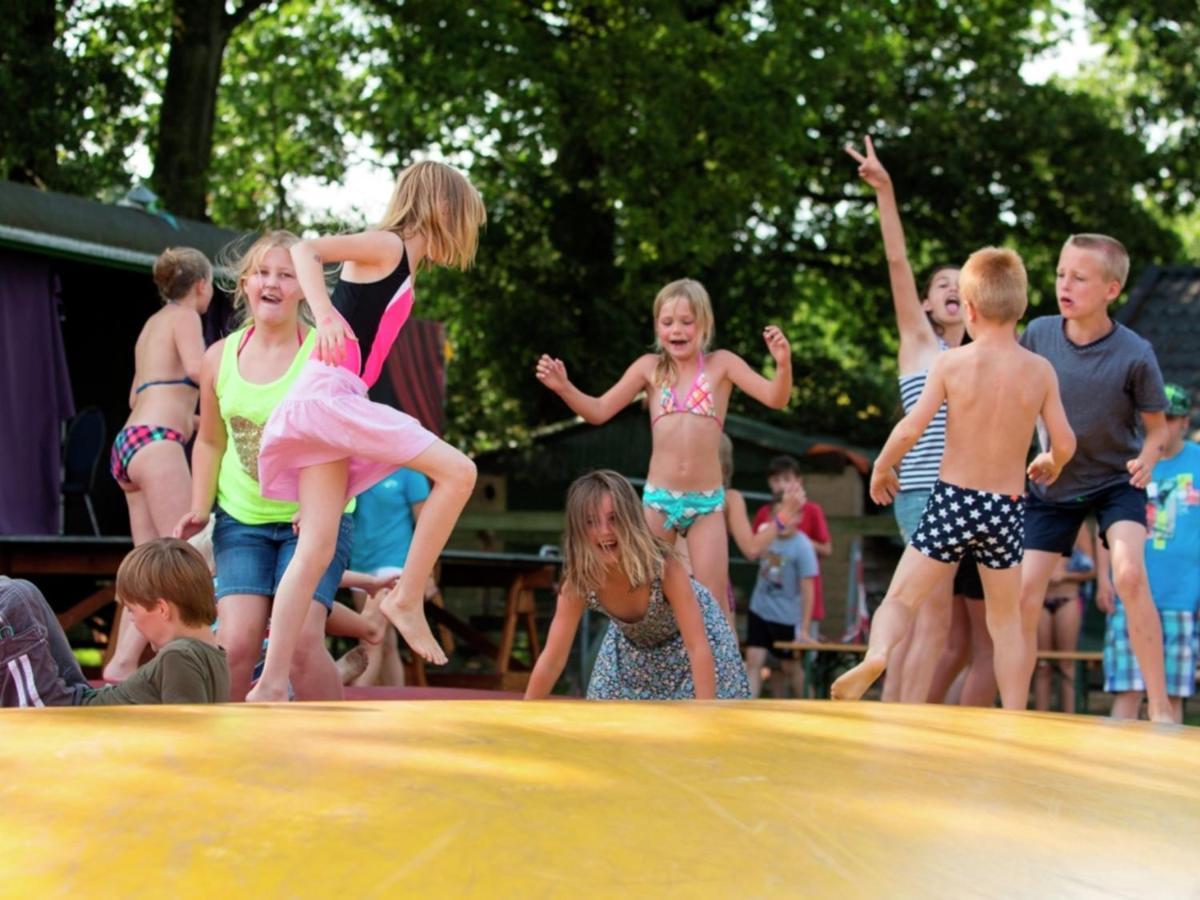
[(414, 376), (35, 395)]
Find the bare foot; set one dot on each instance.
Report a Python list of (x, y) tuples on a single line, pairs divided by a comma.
[(409, 619), (1163, 716), (352, 664), (853, 684), (265, 693)]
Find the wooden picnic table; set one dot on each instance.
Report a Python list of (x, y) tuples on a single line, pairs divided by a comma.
[(518, 574)]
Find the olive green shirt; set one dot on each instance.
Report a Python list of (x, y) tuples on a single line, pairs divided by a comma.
[(184, 671)]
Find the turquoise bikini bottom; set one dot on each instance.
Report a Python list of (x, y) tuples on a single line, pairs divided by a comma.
[(683, 508)]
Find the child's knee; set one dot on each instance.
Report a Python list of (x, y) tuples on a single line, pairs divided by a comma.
[(1129, 579)]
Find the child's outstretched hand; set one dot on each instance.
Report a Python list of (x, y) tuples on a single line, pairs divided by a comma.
[(190, 525), (1043, 469), (777, 343), (870, 169), (1139, 472), (885, 484), (552, 372), (331, 340)]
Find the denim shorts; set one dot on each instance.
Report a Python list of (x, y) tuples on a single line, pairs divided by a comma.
[(251, 559), (908, 507), (1053, 526)]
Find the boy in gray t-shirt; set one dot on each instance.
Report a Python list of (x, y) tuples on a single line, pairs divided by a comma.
[(1111, 389), (781, 606)]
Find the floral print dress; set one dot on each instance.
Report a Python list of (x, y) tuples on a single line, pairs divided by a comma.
[(647, 660)]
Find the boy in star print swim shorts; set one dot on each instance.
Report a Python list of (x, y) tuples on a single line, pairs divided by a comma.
[(994, 391)]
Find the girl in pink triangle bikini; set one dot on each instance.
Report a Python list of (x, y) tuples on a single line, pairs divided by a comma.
[(689, 394)]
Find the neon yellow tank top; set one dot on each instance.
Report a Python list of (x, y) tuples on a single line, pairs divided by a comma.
[(245, 408)]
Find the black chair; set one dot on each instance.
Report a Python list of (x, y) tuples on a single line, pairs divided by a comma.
[(86, 438)]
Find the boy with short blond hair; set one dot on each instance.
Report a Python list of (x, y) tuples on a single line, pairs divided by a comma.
[(994, 391), (166, 588), (1111, 385)]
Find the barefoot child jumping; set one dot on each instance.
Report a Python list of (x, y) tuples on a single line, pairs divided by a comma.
[(327, 441), (994, 391), (689, 394)]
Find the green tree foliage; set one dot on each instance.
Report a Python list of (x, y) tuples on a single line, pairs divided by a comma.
[(68, 74), (621, 145)]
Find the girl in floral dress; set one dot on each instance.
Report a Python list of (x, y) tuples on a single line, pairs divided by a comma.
[(668, 639)]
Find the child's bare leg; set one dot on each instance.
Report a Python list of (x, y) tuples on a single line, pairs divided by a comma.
[(1127, 543), (1177, 709), (1036, 568), (756, 658), (916, 578), (955, 655), (391, 666), (130, 643), (241, 624), (708, 549), (322, 498), (930, 632), (1043, 673), (1067, 622), (1127, 705), (313, 673), (1005, 620), (893, 682), (979, 687), (453, 477), (794, 669)]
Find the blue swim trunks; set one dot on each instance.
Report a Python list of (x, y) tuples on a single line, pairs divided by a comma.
[(683, 508)]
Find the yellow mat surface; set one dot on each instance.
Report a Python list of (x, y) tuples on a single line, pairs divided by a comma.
[(569, 799)]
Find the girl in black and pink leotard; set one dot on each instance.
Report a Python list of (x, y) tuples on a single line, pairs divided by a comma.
[(327, 442)]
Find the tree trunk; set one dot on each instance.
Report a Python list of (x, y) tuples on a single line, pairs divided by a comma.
[(200, 30), (35, 128)]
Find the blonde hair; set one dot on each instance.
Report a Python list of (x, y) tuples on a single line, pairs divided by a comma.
[(177, 269), (244, 263), (436, 201), (994, 282), (641, 553), (697, 297), (1113, 255), (172, 570), (725, 458)]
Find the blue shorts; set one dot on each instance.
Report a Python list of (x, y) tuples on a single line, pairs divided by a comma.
[(907, 507), (1052, 526), (251, 559), (1121, 670)]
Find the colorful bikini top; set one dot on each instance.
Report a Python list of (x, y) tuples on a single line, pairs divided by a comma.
[(699, 401), (374, 312), (184, 381)]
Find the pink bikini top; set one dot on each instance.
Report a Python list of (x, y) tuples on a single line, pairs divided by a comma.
[(699, 401)]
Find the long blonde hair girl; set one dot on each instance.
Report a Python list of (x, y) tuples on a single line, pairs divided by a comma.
[(243, 263), (641, 553), (437, 201), (697, 297)]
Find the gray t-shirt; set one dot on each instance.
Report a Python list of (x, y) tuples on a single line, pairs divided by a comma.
[(1104, 385), (776, 596)]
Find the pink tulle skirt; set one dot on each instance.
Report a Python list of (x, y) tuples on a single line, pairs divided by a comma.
[(326, 416)]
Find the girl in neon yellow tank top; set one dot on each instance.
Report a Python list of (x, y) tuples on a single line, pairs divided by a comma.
[(243, 378)]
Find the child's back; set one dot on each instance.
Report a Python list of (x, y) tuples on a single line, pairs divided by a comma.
[(995, 390)]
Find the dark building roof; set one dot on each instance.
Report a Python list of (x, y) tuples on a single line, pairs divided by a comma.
[(1164, 308), (77, 228)]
